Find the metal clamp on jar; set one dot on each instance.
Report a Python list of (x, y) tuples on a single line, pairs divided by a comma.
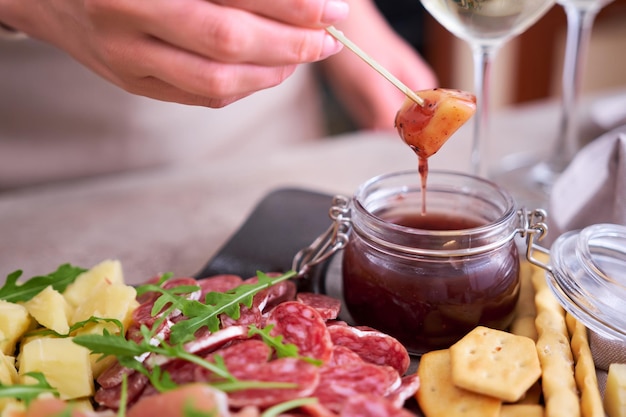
[(427, 278)]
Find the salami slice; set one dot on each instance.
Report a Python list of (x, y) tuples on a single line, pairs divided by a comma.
[(368, 406), (110, 397), (242, 358), (303, 375), (218, 283), (338, 383), (342, 355), (328, 307), (247, 316), (271, 297), (304, 327), (373, 346), (407, 389)]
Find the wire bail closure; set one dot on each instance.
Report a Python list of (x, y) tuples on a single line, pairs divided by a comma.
[(328, 243), (534, 229)]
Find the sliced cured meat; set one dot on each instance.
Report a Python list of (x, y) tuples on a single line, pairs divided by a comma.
[(373, 346), (113, 375), (407, 389), (242, 358), (200, 398), (303, 375), (303, 326), (110, 397), (218, 283), (342, 355), (211, 341), (338, 383), (271, 297), (328, 307), (368, 406), (247, 316)]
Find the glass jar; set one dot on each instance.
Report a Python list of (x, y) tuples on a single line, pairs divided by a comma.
[(428, 279)]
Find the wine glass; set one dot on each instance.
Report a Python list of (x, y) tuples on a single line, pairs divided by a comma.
[(485, 25), (532, 181)]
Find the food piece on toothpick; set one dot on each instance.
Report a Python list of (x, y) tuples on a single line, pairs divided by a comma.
[(426, 128)]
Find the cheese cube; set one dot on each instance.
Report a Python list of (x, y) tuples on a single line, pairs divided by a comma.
[(109, 271), (615, 391), (8, 373), (50, 310), (14, 322), (112, 301), (65, 365)]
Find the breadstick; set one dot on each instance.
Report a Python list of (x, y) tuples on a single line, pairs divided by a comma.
[(525, 311), (585, 370), (555, 354)]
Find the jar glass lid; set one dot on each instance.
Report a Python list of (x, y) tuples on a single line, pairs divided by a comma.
[(589, 277)]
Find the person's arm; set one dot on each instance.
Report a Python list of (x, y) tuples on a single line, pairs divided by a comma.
[(369, 98), (199, 52)]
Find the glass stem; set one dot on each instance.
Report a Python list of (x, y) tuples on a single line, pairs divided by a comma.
[(483, 57), (579, 25)]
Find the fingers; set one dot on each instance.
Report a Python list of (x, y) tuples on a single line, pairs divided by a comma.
[(308, 13), (191, 76), (232, 35), (222, 33)]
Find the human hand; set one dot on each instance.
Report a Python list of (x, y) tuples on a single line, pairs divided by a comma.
[(370, 99), (200, 52)]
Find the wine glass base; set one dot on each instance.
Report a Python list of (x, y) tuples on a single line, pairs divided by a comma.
[(528, 178)]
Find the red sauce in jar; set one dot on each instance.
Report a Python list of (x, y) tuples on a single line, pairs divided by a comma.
[(429, 302)]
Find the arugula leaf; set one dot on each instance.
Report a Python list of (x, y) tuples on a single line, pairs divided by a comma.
[(144, 288), (283, 350), (13, 291), (121, 412), (28, 392), (76, 326), (207, 314)]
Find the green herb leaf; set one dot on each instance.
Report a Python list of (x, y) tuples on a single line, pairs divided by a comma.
[(207, 314), (109, 344), (279, 409), (283, 350), (13, 291), (76, 326), (28, 392)]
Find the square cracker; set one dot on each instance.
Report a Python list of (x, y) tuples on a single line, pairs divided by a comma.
[(439, 397), (495, 363)]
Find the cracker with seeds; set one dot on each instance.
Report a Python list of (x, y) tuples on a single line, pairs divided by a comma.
[(521, 410), (439, 397), (495, 363)]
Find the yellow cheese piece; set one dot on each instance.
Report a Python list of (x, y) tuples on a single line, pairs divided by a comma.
[(615, 392), (65, 365), (108, 271), (8, 372), (14, 322), (112, 301), (50, 309)]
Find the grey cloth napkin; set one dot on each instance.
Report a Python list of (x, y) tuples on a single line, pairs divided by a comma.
[(593, 187)]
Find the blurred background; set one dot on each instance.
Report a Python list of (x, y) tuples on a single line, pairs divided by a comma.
[(533, 60)]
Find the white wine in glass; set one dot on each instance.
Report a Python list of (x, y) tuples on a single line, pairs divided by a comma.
[(531, 181), (485, 25)]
